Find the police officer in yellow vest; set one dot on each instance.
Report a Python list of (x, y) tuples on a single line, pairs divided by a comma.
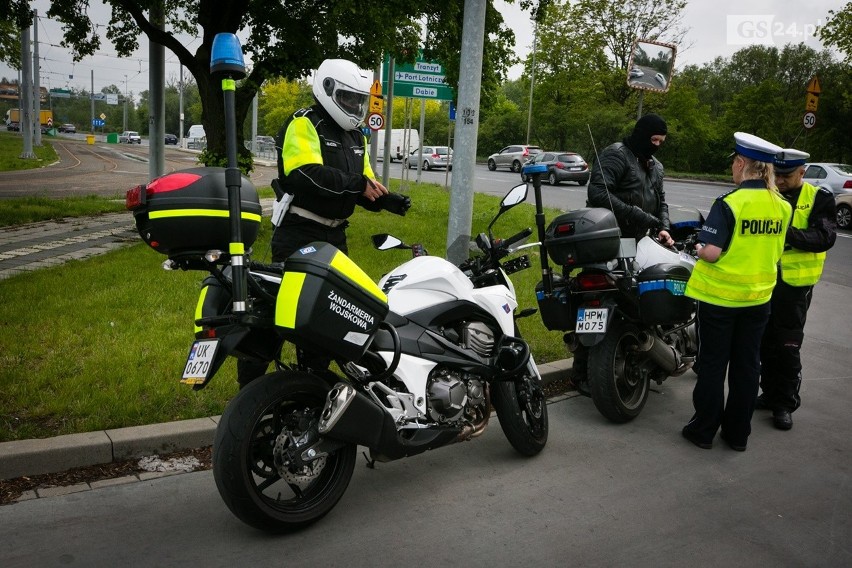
[(740, 245), (811, 233)]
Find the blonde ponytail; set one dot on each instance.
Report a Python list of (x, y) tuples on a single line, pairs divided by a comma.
[(759, 170)]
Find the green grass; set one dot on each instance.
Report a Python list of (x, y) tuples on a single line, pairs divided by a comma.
[(100, 343), (11, 148), (22, 210)]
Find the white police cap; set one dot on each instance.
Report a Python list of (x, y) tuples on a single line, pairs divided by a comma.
[(754, 147), (790, 159)]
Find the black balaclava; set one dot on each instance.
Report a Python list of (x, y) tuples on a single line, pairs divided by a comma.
[(639, 140)]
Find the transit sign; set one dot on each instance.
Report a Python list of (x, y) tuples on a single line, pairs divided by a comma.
[(422, 80)]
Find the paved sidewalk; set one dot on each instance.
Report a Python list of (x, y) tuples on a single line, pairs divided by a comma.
[(33, 246)]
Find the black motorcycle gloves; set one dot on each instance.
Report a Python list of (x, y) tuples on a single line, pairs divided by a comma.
[(395, 203)]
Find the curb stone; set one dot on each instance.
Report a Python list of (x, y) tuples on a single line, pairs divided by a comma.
[(52, 455)]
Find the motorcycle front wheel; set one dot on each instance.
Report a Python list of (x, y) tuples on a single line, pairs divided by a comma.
[(522, 410), (618, 377), (255, 465)]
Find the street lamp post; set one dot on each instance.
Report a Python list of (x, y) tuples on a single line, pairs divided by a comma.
[(125, 103), (532, 82)]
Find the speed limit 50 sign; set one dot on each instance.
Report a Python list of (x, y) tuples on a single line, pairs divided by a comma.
[(809, 120), (375, 121)]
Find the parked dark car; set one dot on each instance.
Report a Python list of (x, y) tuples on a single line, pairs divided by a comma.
[(171, 139), (561, 166), (69, 128)]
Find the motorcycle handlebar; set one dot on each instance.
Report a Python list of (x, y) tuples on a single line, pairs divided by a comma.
[(507, 243), (263, 267)]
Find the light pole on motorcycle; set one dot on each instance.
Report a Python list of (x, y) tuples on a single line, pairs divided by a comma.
[(534, 171), (226, 61)]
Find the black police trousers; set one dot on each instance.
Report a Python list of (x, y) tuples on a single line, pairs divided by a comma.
[(728, 345), (780, 360)]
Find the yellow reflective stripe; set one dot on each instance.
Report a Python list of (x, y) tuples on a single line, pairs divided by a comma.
[(368, 169), (199, 307), (237, 248), (229, 85), (344, 265), (301, 145), (798, 267), (288, 299), (801, 268), (163, 214), (709, 291)]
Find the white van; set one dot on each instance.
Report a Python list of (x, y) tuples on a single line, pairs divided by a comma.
[(398, 146), (195, 137)]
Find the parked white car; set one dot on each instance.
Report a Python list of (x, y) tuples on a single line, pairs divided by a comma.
[(130, 137)]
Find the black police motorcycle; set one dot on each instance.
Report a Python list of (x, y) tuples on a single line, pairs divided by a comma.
[(622, 300)]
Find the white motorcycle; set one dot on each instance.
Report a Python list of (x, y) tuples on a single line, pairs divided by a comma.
[(420, 370)]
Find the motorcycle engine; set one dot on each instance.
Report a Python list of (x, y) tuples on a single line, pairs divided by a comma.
[(478, 337), (449, 394)]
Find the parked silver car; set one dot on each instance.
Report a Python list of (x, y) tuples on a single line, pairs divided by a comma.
[(433, 157), (129, 137), (834, 177), (844, 210), (512, 157)]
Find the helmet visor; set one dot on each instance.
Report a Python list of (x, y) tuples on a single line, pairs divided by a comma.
[(352, 103)]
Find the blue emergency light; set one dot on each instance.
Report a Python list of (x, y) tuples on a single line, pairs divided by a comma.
[(227, 56)]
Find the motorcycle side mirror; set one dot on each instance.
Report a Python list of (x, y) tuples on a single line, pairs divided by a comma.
[(517, 194), (385, 241), (651, 65)]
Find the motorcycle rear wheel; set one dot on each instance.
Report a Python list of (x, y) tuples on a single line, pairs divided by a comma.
[(522, 410), (279, 406), (618, 376)]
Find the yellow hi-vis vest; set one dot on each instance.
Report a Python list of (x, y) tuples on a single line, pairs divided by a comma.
[(745, 274), (798, 267)]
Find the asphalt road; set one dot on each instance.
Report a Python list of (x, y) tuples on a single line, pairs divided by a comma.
[(100, 169), (600, 494)]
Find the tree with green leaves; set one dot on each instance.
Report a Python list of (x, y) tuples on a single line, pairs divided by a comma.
[(280, 39), (837, 31)]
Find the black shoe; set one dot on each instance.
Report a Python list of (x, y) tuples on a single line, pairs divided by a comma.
[(692, 438), (733, 446), (782, 419), (760, 403)]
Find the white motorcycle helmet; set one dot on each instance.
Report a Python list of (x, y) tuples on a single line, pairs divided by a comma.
[(343, 90)]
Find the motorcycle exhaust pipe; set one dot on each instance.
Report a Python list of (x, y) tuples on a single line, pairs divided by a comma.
[(663, 354), (351, 417)]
